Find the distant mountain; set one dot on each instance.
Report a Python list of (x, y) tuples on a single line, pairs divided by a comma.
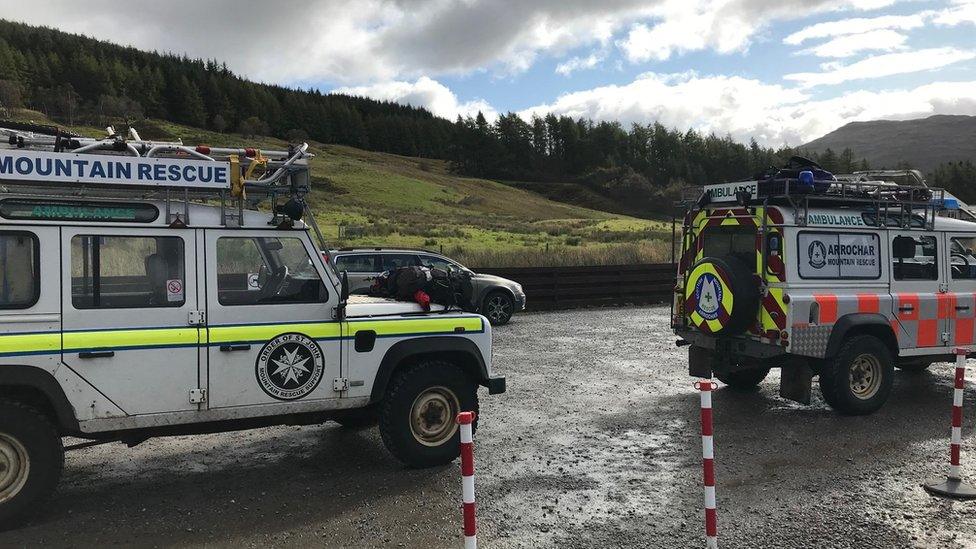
[(924, 143)]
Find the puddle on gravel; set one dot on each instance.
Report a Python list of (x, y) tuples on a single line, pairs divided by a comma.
[(590, 478)]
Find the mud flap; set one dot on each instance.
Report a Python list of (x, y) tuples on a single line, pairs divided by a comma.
[(796, 381), (701, 362)]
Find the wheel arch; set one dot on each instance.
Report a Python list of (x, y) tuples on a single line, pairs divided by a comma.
[(36, 387), (460, 351), (854, 324), (495, 288)]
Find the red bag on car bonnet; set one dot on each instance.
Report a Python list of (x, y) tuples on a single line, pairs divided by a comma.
[(422, 298)]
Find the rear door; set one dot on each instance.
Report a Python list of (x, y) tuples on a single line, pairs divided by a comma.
[(959, 309), (127, 295), (362, 269), (917, 283)]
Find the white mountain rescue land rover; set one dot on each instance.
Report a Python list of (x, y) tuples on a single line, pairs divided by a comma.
[(844, 279), (132, 309)]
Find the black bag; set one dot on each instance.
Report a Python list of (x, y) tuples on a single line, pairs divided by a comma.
[(450, 288), (409, 280)]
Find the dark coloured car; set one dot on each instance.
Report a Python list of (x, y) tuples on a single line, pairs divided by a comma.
[(495, 297)]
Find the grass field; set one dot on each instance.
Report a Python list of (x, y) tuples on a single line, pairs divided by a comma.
[(363, 198)]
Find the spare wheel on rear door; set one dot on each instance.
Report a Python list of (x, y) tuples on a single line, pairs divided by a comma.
[(721, 296)]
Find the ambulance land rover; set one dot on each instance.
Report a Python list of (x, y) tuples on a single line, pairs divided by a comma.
[(841, 279), (143, 293)]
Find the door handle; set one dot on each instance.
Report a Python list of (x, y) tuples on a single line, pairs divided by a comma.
[(962, 307), (906, 308), (96, 354), (230, 348)]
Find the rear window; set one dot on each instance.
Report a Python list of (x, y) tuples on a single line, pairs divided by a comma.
[(19, 268), (738, 243)]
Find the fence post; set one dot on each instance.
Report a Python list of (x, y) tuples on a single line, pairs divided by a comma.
[(464, 420), (953, 486), (708, 462)]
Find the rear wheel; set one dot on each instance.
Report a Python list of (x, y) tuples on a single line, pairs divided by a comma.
[(31, 459), (498, 308), (859, 379), (417, 417), (743, 380)]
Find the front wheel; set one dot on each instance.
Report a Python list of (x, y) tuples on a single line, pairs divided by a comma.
[(31, 459), (859, 379), (498, 308), (417, 417), (743, 380)]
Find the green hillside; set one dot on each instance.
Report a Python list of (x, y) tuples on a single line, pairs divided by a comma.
[(390, 200)]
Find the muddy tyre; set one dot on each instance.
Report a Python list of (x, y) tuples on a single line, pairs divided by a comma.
[(859, 379), (417, 416), (743, 380), (31, 459), (498, 308)]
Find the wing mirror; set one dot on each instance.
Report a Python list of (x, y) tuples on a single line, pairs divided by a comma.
[(343, 296)]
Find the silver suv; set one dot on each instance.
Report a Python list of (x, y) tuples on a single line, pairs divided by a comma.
[(495, 297)]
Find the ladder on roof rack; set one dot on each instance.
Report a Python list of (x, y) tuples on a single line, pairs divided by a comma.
[(56, 163)]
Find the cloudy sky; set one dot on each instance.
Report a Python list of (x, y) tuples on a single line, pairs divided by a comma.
[(782, 71)]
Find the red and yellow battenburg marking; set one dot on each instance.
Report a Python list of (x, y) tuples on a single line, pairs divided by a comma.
[(772, 313)]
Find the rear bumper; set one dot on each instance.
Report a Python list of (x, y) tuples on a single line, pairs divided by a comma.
[(496, 385), (731, 346)]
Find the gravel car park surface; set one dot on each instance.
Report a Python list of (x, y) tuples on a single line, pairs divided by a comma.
[(595, 444)]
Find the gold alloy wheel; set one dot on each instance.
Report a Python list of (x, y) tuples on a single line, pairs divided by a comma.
[(432, 416), (865, 376), (14, 467)]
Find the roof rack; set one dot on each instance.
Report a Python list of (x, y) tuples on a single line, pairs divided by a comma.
[(385, 248), (902, 205), (47, 161)]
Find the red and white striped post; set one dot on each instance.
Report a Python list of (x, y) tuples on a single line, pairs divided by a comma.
[(953, 486), (708, 462), (464, 420)]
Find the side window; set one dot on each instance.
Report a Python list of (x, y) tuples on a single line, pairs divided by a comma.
[(395, 261), (263, 271), (19, 270), (915, 258), (436, 262), (125, 272), (365, 263), (962, 258)]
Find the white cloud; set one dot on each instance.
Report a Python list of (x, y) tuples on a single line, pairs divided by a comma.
[(363, 41), (746, 108), (725, 26), (424, 92), (857, 25), (849, 45), (883, 65), (574, 64), (962, 12)]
